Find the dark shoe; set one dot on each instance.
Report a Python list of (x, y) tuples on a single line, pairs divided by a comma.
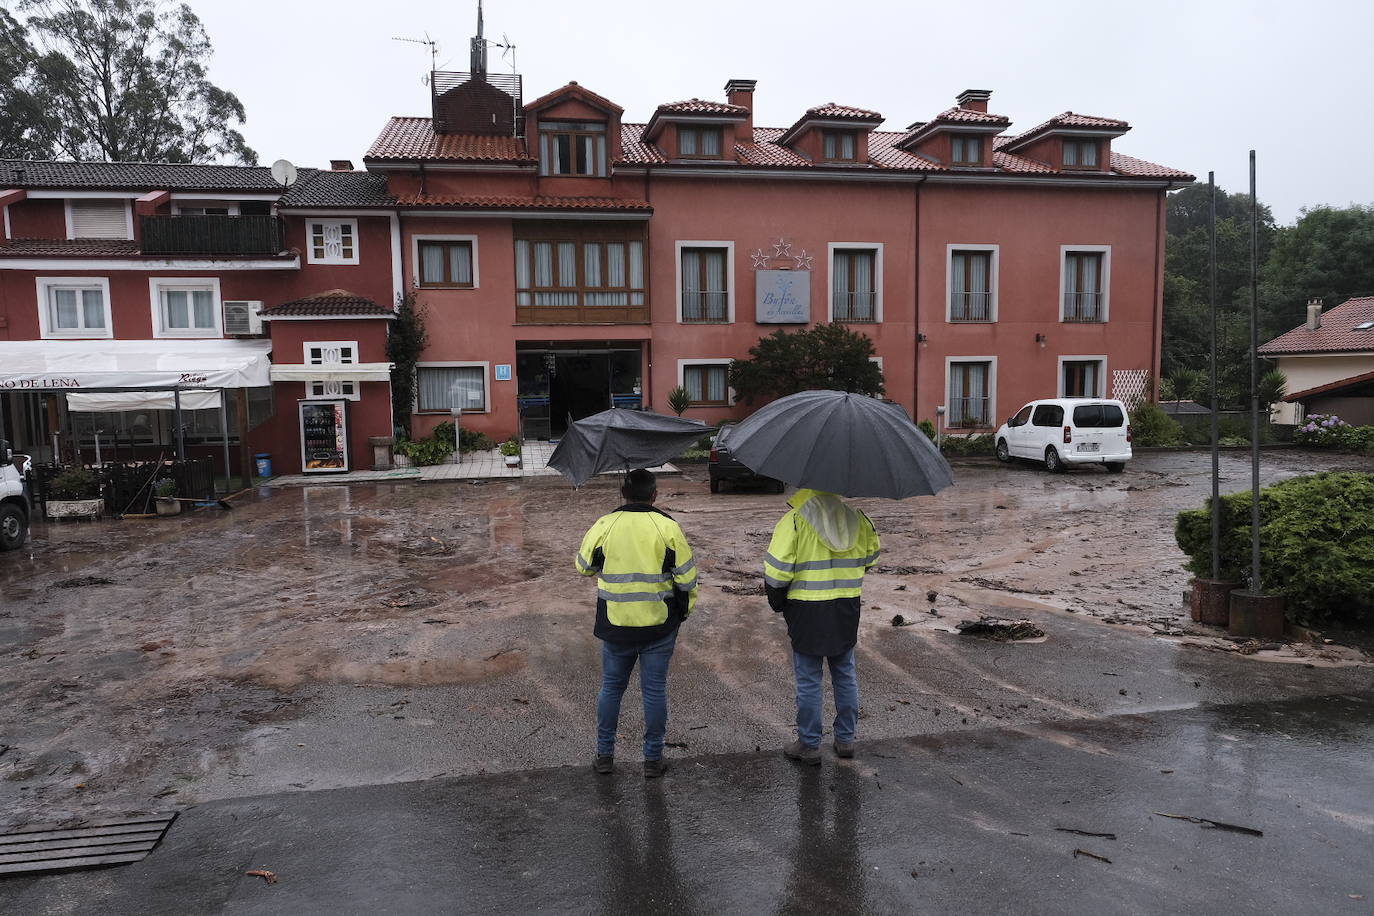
[(811, 756), (604, 764), (844, 750), (655, 768)]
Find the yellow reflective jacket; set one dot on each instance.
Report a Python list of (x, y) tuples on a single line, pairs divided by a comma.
[(646, 574), (814, 571)]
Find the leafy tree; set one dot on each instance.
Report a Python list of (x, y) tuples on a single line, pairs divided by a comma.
[(1190, 384), (1328, 254), (827, 356), (404, 344), (125, 80), (22, 135)]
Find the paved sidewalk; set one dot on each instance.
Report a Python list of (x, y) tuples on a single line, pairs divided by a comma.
[(964, 822), (535, 455)]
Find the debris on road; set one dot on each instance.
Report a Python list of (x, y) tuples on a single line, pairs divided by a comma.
[(1074, 830), (1091, 855), (83, 582), (1211, 824), (264, 874), (1000, 629), (899, 621), (998, 585)]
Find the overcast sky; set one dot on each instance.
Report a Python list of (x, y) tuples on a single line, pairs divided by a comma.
[(1202, 82)]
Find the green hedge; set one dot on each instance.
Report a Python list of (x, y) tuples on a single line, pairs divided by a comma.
[(1316, 544)]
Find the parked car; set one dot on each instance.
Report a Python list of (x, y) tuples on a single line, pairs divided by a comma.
[(14, 498), (1063, 432), (724, 466)]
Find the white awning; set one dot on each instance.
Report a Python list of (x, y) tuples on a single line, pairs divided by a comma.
[(73, 365), (358, 372), (109, 401)]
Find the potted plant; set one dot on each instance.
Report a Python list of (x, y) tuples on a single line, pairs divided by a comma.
[(165, 497), (75, 493), (511, 449)]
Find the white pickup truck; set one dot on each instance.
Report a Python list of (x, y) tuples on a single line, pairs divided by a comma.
[(14, 498)]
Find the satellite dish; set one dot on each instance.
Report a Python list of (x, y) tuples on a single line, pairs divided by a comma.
[(284, 173)]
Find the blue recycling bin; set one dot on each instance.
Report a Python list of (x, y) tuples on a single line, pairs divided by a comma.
[(264, 463)]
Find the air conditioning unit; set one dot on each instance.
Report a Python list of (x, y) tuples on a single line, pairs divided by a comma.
[(242, 317)]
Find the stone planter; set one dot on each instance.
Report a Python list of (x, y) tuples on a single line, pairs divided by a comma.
[(1257, 615), (1211, 601), (402, 461), (167, 505), (74, 508)]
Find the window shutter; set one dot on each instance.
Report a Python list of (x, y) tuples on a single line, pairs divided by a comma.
[(99, 219)]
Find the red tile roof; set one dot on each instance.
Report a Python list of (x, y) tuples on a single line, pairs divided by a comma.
[(832, 110), (634, 149), (958, 115), (336, 303), (1337, 333), (883, 151), (414, 138), (513, 202), (1071, 120), (58, 248), (577, 91), (702, 106), (1139, 168)]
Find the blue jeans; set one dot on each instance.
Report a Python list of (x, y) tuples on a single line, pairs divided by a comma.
[(845, 685), (617, 662)]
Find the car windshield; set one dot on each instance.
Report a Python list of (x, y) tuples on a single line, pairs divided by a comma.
[(1098, 416)]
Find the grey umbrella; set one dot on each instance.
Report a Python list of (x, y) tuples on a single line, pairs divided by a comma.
[(621, 440), (843, 443)]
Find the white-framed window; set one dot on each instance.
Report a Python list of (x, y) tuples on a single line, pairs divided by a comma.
[(707, 381), (74, 307), (856, 282), (332, 390), (441, 386), (331, 241), (1085, 282), (970, 392), (207, 208), (971, 275), (445, 261), (1082, 376), (185, 306), (705, 288), (96, 218), (330, 352)]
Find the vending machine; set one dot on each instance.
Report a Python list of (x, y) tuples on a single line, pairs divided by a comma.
[(324, 437)]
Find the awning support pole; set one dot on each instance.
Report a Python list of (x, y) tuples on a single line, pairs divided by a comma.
[(224, 433), (245, 451), (181, 439)]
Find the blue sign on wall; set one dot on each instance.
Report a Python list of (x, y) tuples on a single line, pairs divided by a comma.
[(503, 372), (782, 296)]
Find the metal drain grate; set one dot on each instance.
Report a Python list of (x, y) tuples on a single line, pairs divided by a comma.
[(84, 845)]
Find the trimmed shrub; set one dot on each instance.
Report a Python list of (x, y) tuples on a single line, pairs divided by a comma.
[(928, 428), (473, 441), (425, 452), (75, 483), (967, 446), (1151, 426), (1316, 544)]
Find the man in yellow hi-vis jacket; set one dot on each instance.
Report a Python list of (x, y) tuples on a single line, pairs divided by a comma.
[(813, 574), (646, 587)]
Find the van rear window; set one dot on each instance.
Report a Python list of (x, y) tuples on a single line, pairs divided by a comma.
[(1098, 416)]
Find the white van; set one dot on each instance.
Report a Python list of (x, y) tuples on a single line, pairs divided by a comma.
[(1068, 431), (14, 498)]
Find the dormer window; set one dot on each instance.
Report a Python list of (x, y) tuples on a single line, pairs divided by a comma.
[(839, 145), (966, 149), (699, 142), (1080, 154), (572, 148)]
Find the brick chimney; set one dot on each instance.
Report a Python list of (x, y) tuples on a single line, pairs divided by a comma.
[(340, 165), (1314, 314), (974, 99), (741, 92)]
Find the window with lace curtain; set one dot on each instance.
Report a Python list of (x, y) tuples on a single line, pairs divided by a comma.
[(970, 284), (591, 278), (705, 287), (969, 401), (706, 384), (699, 142), (440, 388), (445, 263), (1085, 284), (854, 284)]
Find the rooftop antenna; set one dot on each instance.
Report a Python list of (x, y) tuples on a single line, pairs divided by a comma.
[(433, 53)]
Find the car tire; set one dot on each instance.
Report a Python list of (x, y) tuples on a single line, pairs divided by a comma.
[(1115, 467), (715, 484), (14, 527), (1053, 463), (1003, 453)]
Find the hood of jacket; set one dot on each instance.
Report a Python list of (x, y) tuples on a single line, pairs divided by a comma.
[(835, 522)]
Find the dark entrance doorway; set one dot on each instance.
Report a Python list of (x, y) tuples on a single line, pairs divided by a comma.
[(558, 384)]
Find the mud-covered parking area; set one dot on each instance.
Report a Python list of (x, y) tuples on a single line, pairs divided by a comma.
[(333, 636)]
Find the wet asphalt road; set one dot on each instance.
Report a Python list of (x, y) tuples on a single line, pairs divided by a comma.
[(960, 823)]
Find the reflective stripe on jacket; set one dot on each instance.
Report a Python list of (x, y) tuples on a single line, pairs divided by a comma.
[(646, 574)]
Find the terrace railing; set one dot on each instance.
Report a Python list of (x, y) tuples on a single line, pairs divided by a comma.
[(211, 235)]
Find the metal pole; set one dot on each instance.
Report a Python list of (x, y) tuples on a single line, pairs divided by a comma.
[(224, 433), (1256, 582), (181, 440), (1212, 301)]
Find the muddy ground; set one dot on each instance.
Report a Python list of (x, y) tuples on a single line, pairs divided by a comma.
[(335, 636)]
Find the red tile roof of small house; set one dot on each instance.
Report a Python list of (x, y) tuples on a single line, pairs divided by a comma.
[(105, 248), (577, 91), (335, 303), (1337, 333), (830, 112), (1071, 121), (703, 106), (414, 138)]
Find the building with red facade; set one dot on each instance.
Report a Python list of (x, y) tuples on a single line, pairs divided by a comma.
[(569, 260)]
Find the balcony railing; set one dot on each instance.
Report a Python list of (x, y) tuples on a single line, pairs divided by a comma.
[(855, 307), (1082, 306), (705, 306), (970, 307), (968, 413), (211, 235)]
